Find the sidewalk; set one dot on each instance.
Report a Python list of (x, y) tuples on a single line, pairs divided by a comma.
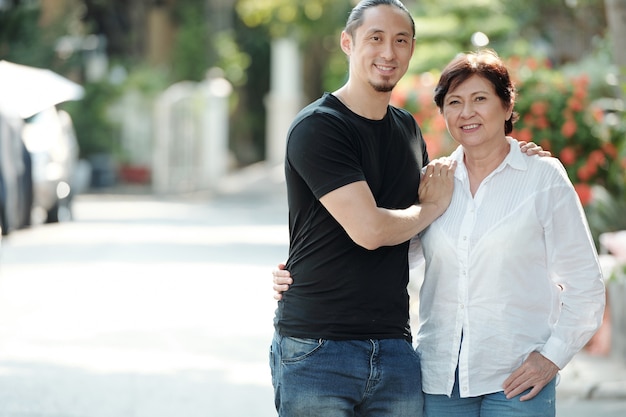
[(592, 386), (589, 377), (589, 385)]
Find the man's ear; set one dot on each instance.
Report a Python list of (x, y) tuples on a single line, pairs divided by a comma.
[(346, 43)]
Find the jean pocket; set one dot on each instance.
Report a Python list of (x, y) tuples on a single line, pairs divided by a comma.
[(295, 349)]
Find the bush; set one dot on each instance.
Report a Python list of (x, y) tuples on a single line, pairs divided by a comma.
[(557, 112), (560, 113)]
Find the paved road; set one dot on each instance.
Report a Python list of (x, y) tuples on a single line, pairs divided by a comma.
[(147, 307), (141, 307)]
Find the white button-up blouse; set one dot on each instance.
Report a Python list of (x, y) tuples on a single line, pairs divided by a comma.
[(509, 271)]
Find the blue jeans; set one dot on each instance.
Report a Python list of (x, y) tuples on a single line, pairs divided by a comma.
[(491, 405), (348, 378)]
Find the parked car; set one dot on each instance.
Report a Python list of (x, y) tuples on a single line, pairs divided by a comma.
[(50, 138), (38, 147), (16, 191)]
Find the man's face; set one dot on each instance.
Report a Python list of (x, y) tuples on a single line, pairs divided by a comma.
[(381, 48)]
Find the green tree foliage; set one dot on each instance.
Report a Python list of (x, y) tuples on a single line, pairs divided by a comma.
[(96, 133), (190, 58), (23, 41), (199, 46), (316, 24), (304, 18), (445, 28), (202, 43)]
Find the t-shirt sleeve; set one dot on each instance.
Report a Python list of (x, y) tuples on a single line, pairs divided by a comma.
[(322, 150)]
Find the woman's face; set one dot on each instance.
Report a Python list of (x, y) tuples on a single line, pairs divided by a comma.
[(475, 114)]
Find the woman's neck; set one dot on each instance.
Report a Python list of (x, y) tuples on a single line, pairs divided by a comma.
[(482, 162)]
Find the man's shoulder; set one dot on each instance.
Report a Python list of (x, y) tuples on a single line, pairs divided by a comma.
[(400, 111), (321, 112), (323, 106), (404, 118)]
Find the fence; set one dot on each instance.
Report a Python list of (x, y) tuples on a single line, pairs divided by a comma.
[(181, 138)]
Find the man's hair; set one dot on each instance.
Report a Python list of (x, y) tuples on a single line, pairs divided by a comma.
[(355, 19)]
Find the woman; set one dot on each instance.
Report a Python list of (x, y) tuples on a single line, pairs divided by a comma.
[(512, 287)]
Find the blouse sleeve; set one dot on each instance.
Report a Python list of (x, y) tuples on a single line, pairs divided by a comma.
[(575, 269)]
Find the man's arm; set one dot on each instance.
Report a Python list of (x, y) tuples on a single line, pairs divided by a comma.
[(370, 226), (282, 278), (531, 148)]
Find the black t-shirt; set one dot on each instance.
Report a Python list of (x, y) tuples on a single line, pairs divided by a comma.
[(341, 290)]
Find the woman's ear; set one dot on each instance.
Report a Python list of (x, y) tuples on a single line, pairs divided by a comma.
[(509, 111)]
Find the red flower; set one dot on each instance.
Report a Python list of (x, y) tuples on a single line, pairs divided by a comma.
[(539, 108), (610, 150), (584, 193), (542, 123), (418, 118), (433, 145), (398, 97), (576, 104), (584, 173), (439, 124), (567, 156), (597, 157), (524, 135), (532, 63), (569, 128), (529, 120)]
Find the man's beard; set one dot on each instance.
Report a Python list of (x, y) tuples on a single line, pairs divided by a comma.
[(383, 88)]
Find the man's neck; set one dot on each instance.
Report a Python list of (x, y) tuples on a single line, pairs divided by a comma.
[(369, 104)]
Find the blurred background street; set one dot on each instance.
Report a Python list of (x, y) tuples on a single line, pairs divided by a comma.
[(142, 201), (142, 306), (149, 306)]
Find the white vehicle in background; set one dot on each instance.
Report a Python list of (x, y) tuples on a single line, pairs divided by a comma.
[(51, 141), (43, 191), (15, 176)]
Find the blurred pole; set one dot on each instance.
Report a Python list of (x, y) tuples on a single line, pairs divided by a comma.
[(160, 35), (285, 97), (214, 159), (168, 135), (616, 18)]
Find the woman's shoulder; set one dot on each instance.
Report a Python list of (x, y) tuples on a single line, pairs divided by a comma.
[(544, 167), (548, 168)]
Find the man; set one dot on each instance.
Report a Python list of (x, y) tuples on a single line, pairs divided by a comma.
[(342, 345)]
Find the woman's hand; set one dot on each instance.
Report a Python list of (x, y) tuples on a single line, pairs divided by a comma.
[(282, 280), (536, 372)]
